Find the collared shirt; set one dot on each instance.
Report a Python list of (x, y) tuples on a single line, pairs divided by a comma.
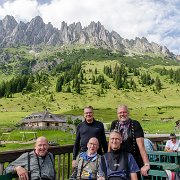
[(46, 165)]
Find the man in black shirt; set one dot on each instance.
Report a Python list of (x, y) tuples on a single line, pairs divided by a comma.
[(133, 138), (86, 130)]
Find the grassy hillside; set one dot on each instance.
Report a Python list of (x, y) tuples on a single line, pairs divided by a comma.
[(145, 102), (110, 98)]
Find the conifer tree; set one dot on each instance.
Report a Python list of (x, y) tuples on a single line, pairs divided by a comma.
[(158, 84)]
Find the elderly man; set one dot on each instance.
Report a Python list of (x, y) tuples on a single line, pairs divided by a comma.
[(36, 165), (133, 138), (86, 130), (117, 164), (87, 162)]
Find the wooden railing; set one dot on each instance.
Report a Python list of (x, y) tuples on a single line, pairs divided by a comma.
[(63, 158)]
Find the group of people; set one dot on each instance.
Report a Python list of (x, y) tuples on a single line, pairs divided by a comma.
[(124, 157)]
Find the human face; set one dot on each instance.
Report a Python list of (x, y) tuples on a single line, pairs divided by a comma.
[(92, 146), (88, 115), (41, 146), (122, 113), (115, 141), (173, 140)]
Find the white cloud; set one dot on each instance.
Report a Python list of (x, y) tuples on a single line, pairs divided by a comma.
[(157, 20), (20, 9)]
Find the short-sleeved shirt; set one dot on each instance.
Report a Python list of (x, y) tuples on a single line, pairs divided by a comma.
[(173, 146), (134, 131)]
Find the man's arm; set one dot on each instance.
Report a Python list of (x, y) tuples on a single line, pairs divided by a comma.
[(75, 170), (76, 144), (146, 167), (76, 147), (133, 167), (167, 147), (18, 165), (133, 176)]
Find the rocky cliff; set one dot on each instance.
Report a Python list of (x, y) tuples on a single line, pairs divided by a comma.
[(36, 32)]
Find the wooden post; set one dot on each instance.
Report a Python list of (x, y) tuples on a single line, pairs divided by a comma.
[(1, 168)]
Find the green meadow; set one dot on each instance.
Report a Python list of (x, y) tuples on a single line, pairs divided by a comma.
[(145, 104)]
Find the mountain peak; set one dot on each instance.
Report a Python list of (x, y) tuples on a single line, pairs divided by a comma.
[(36, 32)]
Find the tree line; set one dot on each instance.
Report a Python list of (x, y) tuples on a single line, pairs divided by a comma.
[(174, 75)]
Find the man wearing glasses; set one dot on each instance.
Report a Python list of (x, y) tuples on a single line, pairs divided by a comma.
[(117, 164), (87, 162), (86, 130)]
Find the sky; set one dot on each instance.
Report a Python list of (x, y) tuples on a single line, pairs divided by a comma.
[(157, 20)]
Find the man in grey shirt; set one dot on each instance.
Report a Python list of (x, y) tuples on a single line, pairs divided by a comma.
[(36, 165)]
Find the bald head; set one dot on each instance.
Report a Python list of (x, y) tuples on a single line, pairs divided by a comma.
[(41, 138), (93, 145), (94, 139), (41, 146)]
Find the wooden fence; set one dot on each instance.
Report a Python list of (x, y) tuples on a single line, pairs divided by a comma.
[(63, 158)]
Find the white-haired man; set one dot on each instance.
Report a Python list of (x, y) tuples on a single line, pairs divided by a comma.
[(117, 164)]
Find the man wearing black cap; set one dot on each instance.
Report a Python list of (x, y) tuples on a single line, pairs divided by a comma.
[(173, 144)]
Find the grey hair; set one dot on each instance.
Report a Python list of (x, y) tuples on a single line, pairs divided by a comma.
[(88, 107), (115, 131), (123, 105)]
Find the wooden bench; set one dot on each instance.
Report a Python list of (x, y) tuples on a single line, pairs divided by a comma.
[(161, 156), (165, 166), (8, 176), (160, 147), (156, 174)]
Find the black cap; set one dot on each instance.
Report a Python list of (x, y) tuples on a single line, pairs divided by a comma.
[(172, 135)]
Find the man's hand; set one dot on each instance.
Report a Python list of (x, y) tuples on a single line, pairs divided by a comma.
[(100, 178), (73, 164), (144, 170), (22, 173)]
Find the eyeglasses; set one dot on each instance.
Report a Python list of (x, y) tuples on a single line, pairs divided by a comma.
[(114, 139), (91, 144), (88, 112)]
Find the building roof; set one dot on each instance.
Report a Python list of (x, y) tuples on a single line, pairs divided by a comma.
[(42, 117)]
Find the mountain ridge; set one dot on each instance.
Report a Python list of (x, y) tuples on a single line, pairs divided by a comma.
[(36, 32)]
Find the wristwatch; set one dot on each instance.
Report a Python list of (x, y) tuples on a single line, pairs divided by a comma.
[(146, 164)]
